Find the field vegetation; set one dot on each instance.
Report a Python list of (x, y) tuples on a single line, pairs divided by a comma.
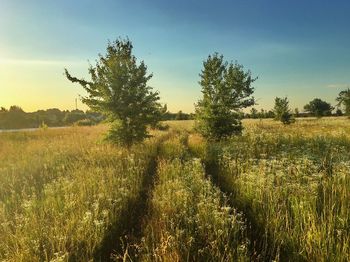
[(65, 196), (188, 218), (292, 184), (276, 192)]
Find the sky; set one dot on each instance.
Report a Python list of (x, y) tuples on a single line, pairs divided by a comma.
[(298, 49)]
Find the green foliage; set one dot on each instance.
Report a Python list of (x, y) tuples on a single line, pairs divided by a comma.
[(282, 110), (292, 185), (62, 194), (339, 112), (226, 89), (85, 122), (296, 112), (181, 116), (118, 89), (43, 126), (177, 116), (344, 100), (188, 219), (160, 126), (253, 113), (74, 116), (319, 108), (16, 118)]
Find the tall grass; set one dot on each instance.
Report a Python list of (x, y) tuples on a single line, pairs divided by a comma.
[(63, 194), (188, 219), (293, 186), (66, 196)]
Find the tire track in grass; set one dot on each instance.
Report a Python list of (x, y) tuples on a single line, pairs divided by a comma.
[(261, 247), (258, 239), (128, 228), (129, 236), (118, 243), (188, 219)]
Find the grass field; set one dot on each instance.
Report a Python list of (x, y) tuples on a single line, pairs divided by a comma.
[(275, 193)]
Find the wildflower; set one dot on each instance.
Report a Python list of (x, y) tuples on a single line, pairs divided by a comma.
[(87, 217)]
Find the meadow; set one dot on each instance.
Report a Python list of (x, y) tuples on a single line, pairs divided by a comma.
[(275, 193)]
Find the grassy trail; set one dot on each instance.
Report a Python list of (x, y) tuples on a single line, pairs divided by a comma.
[(261, 245), (80, 211), (292, 187), (257, 249), (128, 228), (174, 156), (271, 194), (119, 244), (187, 217)]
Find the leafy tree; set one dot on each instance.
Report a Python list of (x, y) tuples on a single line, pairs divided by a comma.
[(282, 111), (262, 113), (118, 89), (344, 100), (14, 118), (253, 113), (296, 112), (17, 118), (226, 89), (95, 117), (51, 117), (74, 116), (181, 116), (270, 114), (318, 108), (339, 112), (16, 109)]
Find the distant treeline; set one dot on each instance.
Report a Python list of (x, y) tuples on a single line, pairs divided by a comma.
[(16, 118), (178, 116), (254, 113)]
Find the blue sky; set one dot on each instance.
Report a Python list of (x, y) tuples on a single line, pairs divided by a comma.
[(298, 49)]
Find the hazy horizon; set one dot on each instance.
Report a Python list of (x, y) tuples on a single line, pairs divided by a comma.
[(297, 49)]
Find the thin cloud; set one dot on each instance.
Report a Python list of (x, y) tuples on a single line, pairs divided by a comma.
[(338, 85)]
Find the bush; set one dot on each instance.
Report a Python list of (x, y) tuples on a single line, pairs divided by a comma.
[(85, 122)]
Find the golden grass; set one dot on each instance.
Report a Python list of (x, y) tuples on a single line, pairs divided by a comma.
[(188, 219), (292, 183), (63, 192)]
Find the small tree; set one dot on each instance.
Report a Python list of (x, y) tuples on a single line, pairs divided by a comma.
[(262, 113), (226, 89), (318, 108), (296, 112), (338, 112), (282, 111), (181, 116), (253, 113), (74, 116), (118, 89), (270, 114), (343, 99)]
